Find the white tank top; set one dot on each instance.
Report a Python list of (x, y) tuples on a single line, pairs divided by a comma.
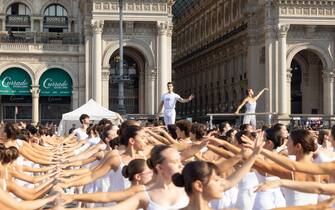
[(182, 203), (296, 198), (117, 181)]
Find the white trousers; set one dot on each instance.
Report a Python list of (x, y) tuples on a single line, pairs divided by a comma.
[(169, 116)]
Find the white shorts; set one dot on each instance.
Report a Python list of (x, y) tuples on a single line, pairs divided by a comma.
[(169, 116)]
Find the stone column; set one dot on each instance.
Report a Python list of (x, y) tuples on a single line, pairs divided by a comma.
[(284, 95), (32, 24), (288, 89), (88, 62), (164, 59), (75, 98), (35, 94), (269, 66), (142, 100), (41, 25), (97, 27), (150, 80), (105, 88), (328, 92), (69, 25), (3, 23)]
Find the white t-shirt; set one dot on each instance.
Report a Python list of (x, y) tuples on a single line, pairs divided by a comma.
[(80, 134), (170, 100)]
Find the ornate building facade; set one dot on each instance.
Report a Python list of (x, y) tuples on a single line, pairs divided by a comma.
[(66, 52), (223, 47)]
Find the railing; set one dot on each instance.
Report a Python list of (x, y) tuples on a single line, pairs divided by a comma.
[(270, 116), (18, 20), (55, 21), (312, 120), (40, 37), (301, 120)]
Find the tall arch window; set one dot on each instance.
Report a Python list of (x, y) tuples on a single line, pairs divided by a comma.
[(18, 17), (55, 19), (55, 10)]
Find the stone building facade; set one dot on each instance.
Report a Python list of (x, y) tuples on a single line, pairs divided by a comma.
[(223, 47), (67, 53)]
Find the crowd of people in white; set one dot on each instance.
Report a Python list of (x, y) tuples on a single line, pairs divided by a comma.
[(154, 167)]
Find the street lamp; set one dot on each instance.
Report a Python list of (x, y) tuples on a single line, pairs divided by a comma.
[(121, 107)]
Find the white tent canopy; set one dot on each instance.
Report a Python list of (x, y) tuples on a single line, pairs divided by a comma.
[(92, 109)]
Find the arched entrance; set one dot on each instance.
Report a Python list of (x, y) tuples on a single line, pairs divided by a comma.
[(15, 85), (55, 94), (306, 83), (134, 65)]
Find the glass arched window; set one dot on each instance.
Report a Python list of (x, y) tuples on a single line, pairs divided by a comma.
[(18, 9), (18, 17), (55, 10), (55, 19)]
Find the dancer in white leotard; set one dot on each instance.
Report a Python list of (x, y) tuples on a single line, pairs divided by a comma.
[(250, 102), (301, 143), (203, 183)]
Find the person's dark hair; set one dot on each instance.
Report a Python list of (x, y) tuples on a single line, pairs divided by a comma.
[(172, 130), (199, 130), (71, 130), (169, 83), (193, 171), (104, 133), (184, 125), (130, 132), (241, 133), (321, 136), (2, 151), (11, 153), (105, 122), (32, 129), (23, 135), (222, 126), (244, 127), (274, 136), (305, 138), (229, 133), (332, 132), (278, 126), (10, 131), (82, 117), (247, 91), (125, 124), (156, 156), (114, 143), (134, 167)]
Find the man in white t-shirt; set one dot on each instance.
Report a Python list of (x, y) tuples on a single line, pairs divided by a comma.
[(80, 133), (168, 101)]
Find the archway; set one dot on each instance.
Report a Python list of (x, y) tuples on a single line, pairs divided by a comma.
[(55, 94), (134, 67), (15, 85), (306, 87)]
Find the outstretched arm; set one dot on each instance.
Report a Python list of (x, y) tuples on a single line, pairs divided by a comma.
[(240, 106), (186, 100), (307, 187), (260, 93)]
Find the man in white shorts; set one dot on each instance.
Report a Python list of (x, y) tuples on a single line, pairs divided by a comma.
[(168, 101)]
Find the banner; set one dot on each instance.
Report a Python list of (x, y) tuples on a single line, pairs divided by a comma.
[(55, 82), (15, 81)]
